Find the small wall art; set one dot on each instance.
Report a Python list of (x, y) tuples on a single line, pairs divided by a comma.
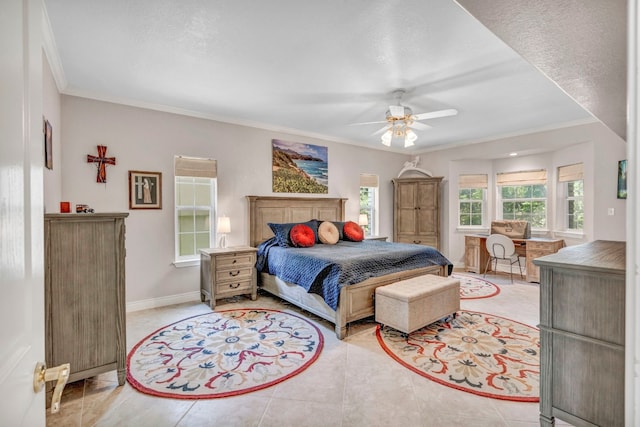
[(622, 179), (145, 190), (299, 168), (48, 144)]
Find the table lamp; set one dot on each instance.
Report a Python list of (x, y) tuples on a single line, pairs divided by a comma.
[(224, 227), (363, 220)]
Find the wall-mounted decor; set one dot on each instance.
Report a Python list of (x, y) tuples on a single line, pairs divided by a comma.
[(48, 144), (622, 179), (299, 168), (101, 161), (145, 190)]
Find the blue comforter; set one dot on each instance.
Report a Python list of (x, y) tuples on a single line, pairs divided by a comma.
[(325, 269)]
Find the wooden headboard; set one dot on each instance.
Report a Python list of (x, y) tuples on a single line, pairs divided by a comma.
[(265, 209)]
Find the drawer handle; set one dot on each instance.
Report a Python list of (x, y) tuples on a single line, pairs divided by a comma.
[(417, 242), (234, 286), (234, 261), (232, 274)]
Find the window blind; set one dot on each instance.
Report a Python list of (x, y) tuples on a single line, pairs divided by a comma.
[(522, 178), (573, 172), (473, 181), (195, 167), (368, 180)]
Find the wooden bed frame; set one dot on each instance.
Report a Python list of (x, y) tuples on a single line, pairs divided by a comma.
[(355, 301)]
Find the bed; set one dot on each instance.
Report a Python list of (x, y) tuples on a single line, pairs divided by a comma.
[(354, 301)]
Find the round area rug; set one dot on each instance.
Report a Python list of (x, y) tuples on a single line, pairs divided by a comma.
[(475, 288), (224, 353), (475, 352)]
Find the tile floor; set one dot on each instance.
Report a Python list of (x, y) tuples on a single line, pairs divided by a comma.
[(353, 382)]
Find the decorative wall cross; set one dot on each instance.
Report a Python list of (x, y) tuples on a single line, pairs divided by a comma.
[(101, 162)]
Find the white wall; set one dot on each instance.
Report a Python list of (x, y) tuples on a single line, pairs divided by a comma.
[(147, 140), (51, 112), (593, 144)]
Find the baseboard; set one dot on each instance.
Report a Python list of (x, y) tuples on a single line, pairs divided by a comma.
[(162, 301)]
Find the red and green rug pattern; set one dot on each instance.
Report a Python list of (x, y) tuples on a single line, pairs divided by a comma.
[(223, 353), (475, 352)]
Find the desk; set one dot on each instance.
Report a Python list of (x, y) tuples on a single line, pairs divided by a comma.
[(476, 254)]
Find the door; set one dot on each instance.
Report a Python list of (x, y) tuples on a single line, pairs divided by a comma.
[(21, 212), (406, 209), (427, 209)]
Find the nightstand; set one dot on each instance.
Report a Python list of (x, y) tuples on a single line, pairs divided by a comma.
[(226, 272), (383, 238)]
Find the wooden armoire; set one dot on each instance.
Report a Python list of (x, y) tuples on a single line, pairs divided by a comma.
[(416, 210), (85, 293)]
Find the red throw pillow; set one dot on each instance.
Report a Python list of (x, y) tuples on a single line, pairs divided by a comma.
[(353, 232), (302, 236)]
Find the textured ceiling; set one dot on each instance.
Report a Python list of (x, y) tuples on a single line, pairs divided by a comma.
[(582, 46), (314, 68)]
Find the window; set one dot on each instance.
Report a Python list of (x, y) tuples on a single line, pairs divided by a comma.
[(369, 203), (571, 177), (195, 202), (471, 200), (523, 196)]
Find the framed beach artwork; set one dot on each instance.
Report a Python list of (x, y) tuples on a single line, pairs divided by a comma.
[(299, 168), (145, 190), (622, 179)]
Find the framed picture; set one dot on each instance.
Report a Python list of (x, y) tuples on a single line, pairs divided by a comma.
[(48, 142), (145, 190), (622, 179), (299, 168)]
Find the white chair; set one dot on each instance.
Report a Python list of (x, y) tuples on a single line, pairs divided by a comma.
[(500, 247)]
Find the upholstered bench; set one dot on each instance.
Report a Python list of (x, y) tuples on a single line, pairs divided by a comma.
[(411, 304)]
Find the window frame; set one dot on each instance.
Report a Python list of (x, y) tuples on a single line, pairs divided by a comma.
[(371, 210), (193, 259), (567, 200), (500, 203), (483, 204)]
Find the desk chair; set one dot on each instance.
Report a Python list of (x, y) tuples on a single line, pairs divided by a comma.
[(501, 247)]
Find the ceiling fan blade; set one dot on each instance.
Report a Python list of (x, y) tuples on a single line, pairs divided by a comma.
[(435, 114), (419, 126), (367, 123), (379, 131)]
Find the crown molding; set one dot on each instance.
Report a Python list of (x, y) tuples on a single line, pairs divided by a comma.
[(51, 51)]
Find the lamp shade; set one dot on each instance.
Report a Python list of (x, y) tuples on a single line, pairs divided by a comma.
[(386, 137), (224, 224), (363, 219)]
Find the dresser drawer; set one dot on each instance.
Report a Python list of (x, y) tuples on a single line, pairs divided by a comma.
[(227, 272), (234, 274), (539, 246), (235, 260), (235, 287)]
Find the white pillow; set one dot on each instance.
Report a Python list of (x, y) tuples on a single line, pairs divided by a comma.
[(328, 233)]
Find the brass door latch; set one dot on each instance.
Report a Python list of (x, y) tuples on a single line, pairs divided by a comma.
[(60, 374)]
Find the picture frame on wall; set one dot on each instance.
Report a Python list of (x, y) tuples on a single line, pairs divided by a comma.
[(145, 190), (48, 144), (622, 179)]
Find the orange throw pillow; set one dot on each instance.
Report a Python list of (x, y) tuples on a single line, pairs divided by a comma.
[(302, 236), (353, 232)]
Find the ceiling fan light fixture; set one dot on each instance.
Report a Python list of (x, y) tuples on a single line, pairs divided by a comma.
[(409, 138), (386, 137)]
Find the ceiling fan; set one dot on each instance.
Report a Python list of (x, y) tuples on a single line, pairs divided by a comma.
[(400, 121)]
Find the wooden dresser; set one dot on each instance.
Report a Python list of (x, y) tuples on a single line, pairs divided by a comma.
[(225, 272), (582, 323), (85, 293), (416, 211)]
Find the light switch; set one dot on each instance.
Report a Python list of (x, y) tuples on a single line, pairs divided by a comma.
[(611, 211)]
